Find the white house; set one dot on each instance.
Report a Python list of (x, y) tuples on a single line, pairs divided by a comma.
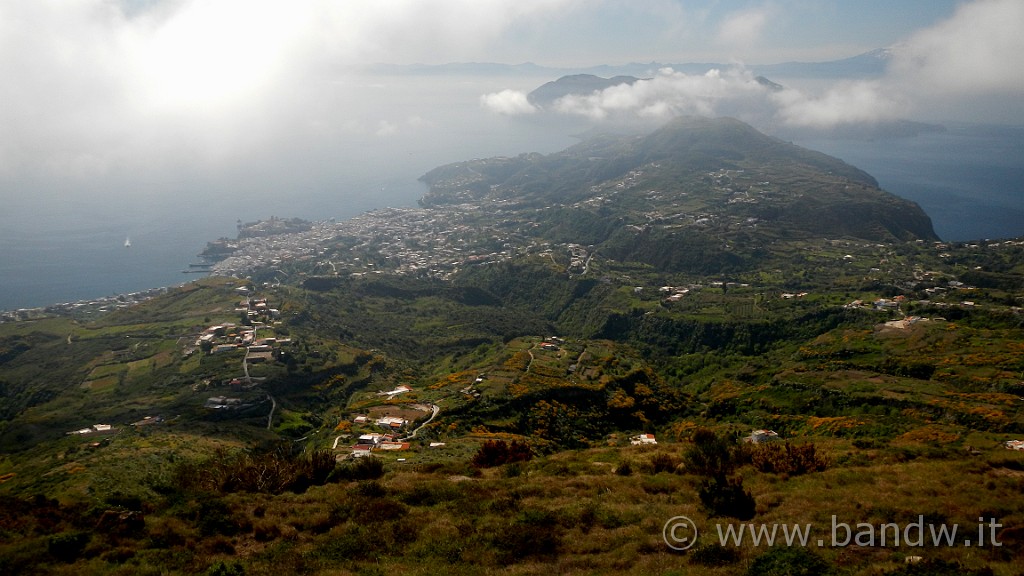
[(643, 439)]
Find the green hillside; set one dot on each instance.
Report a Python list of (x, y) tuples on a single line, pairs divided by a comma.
[(517, 338)]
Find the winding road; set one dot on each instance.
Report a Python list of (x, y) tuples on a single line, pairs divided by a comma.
[(273, 406), (435, 409)]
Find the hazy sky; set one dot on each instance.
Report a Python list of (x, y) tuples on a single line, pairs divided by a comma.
[(138, 88)]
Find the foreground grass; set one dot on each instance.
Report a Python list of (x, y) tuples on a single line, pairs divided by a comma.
[(576, 512)]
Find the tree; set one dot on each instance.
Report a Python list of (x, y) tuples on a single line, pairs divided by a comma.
[(498, 452), (716, 458)]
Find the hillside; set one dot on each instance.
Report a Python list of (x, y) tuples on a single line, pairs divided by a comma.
[(694, 173), (546, 94), (531, 374)]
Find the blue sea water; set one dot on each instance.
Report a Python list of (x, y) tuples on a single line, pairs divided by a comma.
[(77, 251), (969, 179)]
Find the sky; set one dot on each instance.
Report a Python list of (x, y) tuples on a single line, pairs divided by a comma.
[(150, 90)]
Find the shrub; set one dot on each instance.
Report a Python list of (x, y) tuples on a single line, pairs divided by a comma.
[(868, 443), (711, 455), (789, 561), (221, 568), (727, 497), (429, 493), (214, 517), (714, 554), (937, 567), (664, 463), (66, 546), (370, 489), (270, 471), (792, 459), (715, 458), (498, 452), (534, 532), (367, 468), (513, 470)]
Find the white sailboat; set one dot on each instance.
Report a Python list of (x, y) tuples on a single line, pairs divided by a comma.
[(127, 242)]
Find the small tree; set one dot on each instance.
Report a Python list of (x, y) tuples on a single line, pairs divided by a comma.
[(790, 459), (498, 452), (727, 497), (710, 455), (716, 458)]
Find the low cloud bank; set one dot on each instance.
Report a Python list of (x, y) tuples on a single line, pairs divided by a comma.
[(508, 102), (940, 73), (732, 92)]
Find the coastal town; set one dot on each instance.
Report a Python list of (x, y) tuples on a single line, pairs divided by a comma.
[(432, 242)]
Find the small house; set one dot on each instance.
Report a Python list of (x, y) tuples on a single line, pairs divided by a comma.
[(643, 439), (761, 436)]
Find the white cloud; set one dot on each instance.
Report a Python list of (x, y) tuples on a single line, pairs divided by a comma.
[(507, 102), (977, 50), (966, 67), (96, 85), (844, 103), (386, 128), (743, 28), (90, 87), (963, 68), (732, 92)]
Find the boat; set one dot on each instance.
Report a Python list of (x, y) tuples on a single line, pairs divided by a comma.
[(127, 242)]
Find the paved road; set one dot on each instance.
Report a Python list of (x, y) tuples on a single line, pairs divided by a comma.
[(273, 406), (435, 409)]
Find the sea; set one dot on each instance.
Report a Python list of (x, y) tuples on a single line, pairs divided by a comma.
[(57, 246), (969, 178)]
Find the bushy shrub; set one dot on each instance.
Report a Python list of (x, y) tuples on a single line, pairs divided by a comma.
[(727, 497), (429, 493), (213, 517), (792, 459), (868, 443), (715, 458), (710, 455), (513, 470), (533, 532), (664, 463), (270, 471), (498, 452), (370, 489), (367, 468), (221, 568), (714, 554), (66, 546), (789, 561), (938, 567)]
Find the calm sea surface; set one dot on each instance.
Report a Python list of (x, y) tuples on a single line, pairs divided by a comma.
[(969, 179)]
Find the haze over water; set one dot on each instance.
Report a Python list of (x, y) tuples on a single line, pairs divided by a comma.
[(73, 249), (968, 179)]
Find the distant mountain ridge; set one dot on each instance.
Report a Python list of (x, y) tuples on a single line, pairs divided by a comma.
[(548, 93), (868, 64)]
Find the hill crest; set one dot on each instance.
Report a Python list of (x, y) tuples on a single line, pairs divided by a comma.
[(716, 169)]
